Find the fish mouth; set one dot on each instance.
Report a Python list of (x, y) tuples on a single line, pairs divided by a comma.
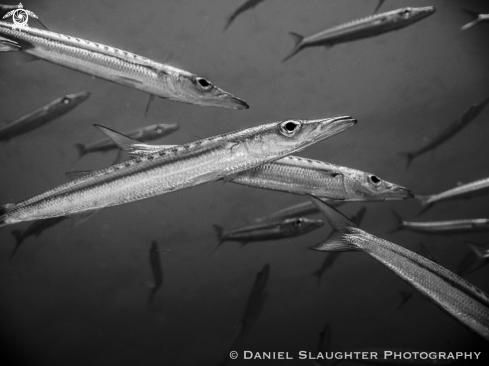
[(425, 11), (398, 193), (331, 126), (227, 100), (79, 97)]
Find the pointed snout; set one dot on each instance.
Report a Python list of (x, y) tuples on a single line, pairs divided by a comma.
[(79, 97), (398, 193), (227, 100)]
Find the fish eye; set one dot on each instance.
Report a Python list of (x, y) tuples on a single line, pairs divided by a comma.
[(289, 128), (66, 100), (298, 222), (159, 130), (406, 12), (375, 180), (203, 83)]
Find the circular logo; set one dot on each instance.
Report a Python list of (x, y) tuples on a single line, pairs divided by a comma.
[(233, 355), (20, 17)]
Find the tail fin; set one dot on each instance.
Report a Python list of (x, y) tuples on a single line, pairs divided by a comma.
[(219, 231), (358, 217), (81, 150), (18, 241), (475, 15), (297, 39), (400, 224), (409, 158), (4, 208), (425, 205), (341, 224)]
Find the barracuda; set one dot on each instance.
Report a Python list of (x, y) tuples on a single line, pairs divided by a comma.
[(361, 28), (42, 116), (296, 175), (116, 65), (462, 300), (443, 227), (181, 167), (474, 189)]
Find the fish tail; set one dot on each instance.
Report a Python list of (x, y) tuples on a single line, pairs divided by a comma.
[(81, 150), (336, 241), (409, 158), (18, 241), (4, 208), (297, 39), (400, 224), (425, 205), (474, 14), (219, 231)]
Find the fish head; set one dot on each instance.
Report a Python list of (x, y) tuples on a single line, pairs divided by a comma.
[(193, 89), (74, 99), (406, 16), (285, 137), (365, 186), (302, 225)]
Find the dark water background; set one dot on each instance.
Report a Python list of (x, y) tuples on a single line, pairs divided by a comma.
[(77, 296)]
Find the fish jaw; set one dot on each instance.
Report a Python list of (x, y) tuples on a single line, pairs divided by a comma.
[(417, 14), (78, 97), (328, 127)]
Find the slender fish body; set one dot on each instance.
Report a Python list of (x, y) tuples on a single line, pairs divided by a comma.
[(469, 190), (116, 65), (169, 170), (298, 210), (443, 227), (34, 229), (144, 134), (42, 116), (296, 175), (361, 28), (268, 230), (450, 131), (155, 262), (246, 5), (463, 301), (254, 305), (478, 18)]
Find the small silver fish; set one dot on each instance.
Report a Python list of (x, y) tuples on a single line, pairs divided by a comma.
[(42, 116), (155, 262), (183, 166), (469, 190), (144, 134), (450, 131), (478, 18), (361, 28), (442, 227), (34, 229), (463, 301), (246, 5), (254, 306), (268, 230), (115, 65)]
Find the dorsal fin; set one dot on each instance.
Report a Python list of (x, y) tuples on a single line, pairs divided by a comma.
[(122, 141)]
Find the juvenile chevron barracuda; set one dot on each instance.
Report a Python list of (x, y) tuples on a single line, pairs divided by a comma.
[(180, 167), (116, 65), (462, 300)]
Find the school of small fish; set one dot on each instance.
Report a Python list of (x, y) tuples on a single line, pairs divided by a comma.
[(257, 157)]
